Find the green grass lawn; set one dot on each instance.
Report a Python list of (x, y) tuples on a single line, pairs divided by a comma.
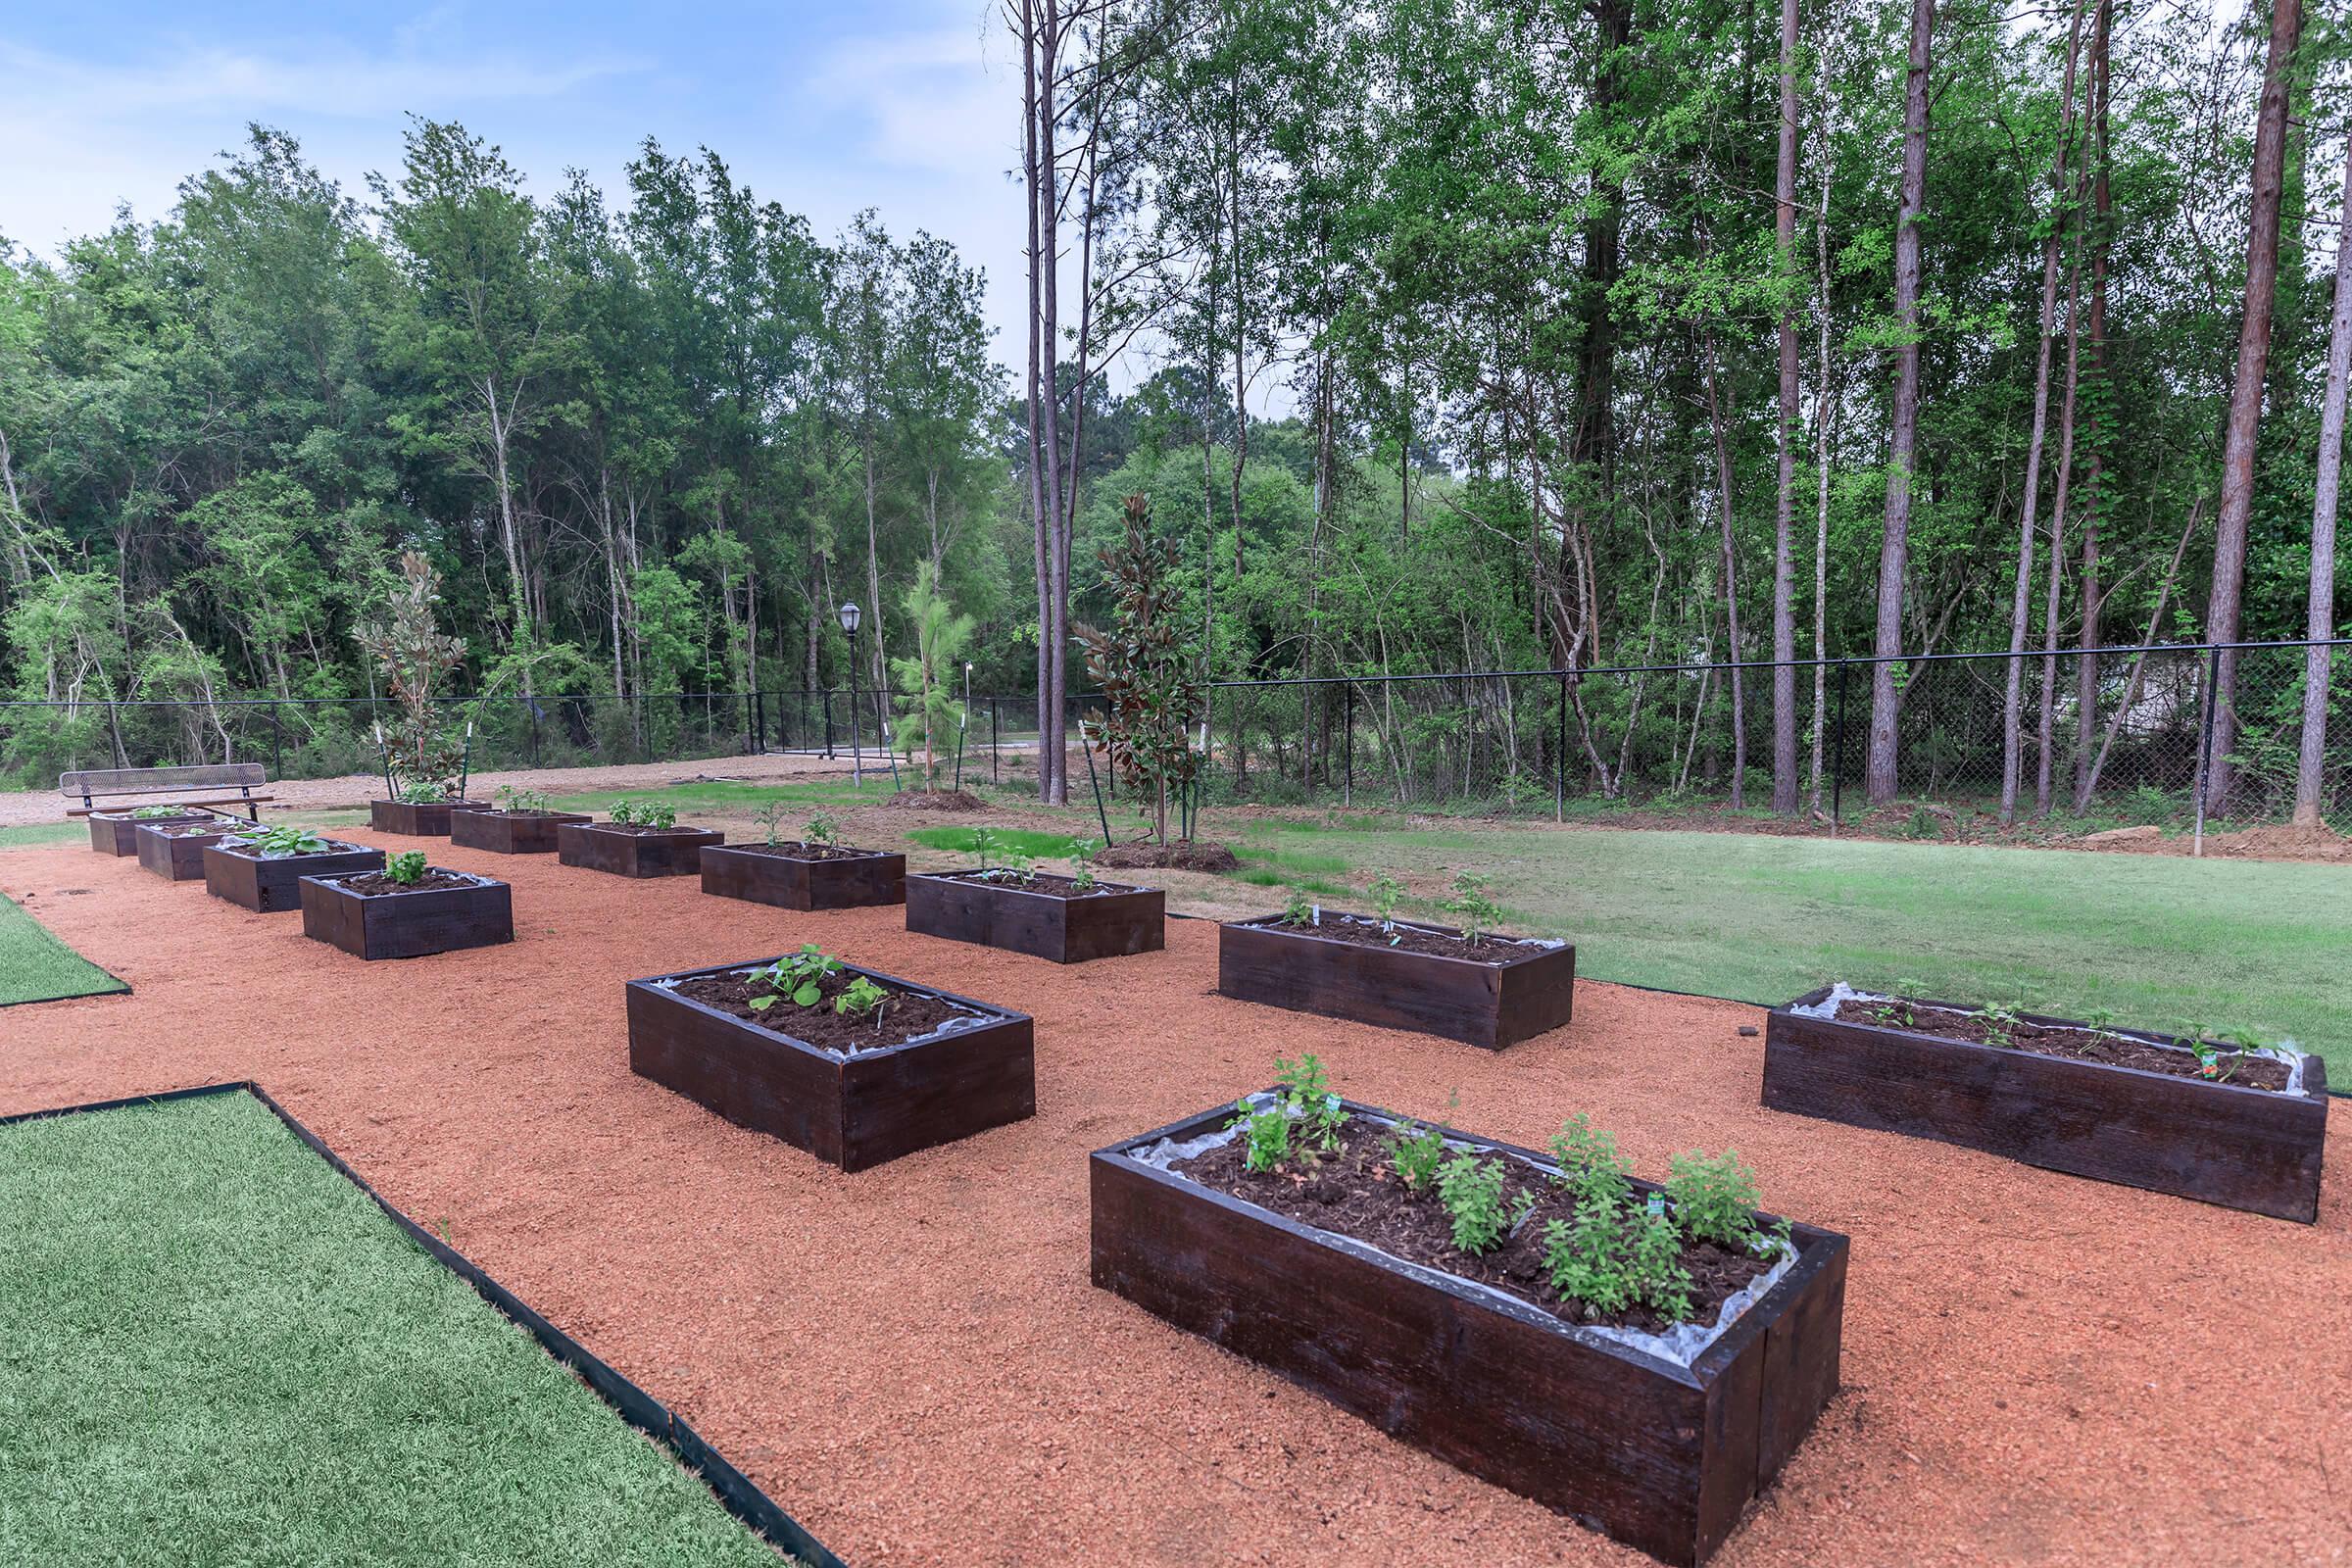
[(216, 1350), (35, 966), (2164, 942), (1019, 839)]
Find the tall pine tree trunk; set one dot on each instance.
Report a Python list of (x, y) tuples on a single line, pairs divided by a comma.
[(2094, 488), (1783, 573), (1881, 780), (2223, 606), (2320, 611)]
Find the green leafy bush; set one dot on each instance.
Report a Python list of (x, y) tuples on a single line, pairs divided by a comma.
[(1416, 1153), (798, 978), (275, 843), (1715, 1200), (406, 868)]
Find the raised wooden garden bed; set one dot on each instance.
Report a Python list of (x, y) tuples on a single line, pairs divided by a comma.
[(510, 832), (419, 819), (1037, 919), (788, 877), (118, 832), (626, 852), (1661, 1456), (175, 850), (2220, 1143), (852, 1110), (1496, 993), (244, 876), (369, 916)]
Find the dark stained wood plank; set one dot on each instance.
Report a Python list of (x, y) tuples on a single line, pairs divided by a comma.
[(2218, 1143), (1487, 1005), (178, 858), (742, 871), (270, 886), (1662, 1458), (510, 832), (851, 1112), (419, 819), (596, 847), (407, 925), (996, 914)]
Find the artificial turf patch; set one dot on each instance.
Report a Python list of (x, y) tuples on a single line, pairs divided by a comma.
[(214, 1348), (35, 966)]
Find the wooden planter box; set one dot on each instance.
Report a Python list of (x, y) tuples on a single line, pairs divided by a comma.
[(419, 819), (851, 1112), (407, 925), (118, 833), (1490, 1004), (744, 872), (510, 832), (270, 886), (677, 852), (178, 858), (996, 914), (2250, 1149), (1662, 1456)]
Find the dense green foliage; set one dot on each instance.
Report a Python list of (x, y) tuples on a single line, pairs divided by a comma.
[(1458, 325)]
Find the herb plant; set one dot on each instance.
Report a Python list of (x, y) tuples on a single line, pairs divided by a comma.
[(406, 868), (1082, 865), (820, 829), (422, 793), (859, 998), (798, 979), (514, 798), (657, 814), (1384, 891), (2000, 1026), (1416, 1153), (1305, 1105), (1715, 1200), (1477, 914), (1589, 1158), (1297, 910), (151, 812), (1000, 861), (1471, 1188)]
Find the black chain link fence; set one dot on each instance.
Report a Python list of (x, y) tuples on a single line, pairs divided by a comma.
[(2130, 737), (307, 738)]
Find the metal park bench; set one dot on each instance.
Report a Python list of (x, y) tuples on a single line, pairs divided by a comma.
[(97, 788)]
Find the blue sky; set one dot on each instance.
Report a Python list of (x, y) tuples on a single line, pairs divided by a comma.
[(908, 106)]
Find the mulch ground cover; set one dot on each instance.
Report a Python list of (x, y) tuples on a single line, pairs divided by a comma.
[(910, 1361)]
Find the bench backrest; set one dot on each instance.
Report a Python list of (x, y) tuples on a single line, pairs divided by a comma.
[(89, 782)]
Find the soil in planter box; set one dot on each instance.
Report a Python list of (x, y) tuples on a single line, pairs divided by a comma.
[(809, 852), (1053, 887), (1357, 1194), (906, 1015), (374, 884), (2084, 1045), (641, 829), (1365, 932)]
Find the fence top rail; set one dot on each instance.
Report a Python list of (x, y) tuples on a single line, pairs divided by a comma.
[(2119, 650), (543, 699)]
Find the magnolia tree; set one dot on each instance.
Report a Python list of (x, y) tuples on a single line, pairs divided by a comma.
[(417, 660), (927, 708), (1149, 679)]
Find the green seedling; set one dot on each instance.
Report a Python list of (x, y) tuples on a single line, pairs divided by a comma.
[(1383, 892), (1471, 908), (1082, 865), (1297, 910), (798, 979), (406, 868), (1416, 1153), (859, 998)]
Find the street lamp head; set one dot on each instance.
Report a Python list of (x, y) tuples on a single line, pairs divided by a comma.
[(849, 618)]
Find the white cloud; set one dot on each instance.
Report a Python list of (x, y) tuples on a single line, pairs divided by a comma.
[(923, 101)]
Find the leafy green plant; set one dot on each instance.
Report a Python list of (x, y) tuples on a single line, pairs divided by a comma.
[(1616, 1255), (1383, 892), (1471, 1188), (2212, 1062), (1000, 861), (1296, 909), (1471, 908), (406, 868), (623, 812), (1082, 865), (426, 792), (860, 997), (1305, 1116), (1149, 677), (929, 714), (1587, 1157), (275, 843), (820, 829), (798, 978), (1715, 1200), (415, 657), (514, 797), (2000, 1026), (1416, 1152), (657, 814), (2099, 1018), (148, 814)]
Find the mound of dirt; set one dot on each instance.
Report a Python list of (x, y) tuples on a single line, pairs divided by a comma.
[(2281, 843), (1183, 856), (934, 800)]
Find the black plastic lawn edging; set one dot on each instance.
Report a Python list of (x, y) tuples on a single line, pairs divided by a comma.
[(640, 1409)]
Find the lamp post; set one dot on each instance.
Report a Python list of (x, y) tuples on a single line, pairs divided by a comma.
[(849, 625)]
